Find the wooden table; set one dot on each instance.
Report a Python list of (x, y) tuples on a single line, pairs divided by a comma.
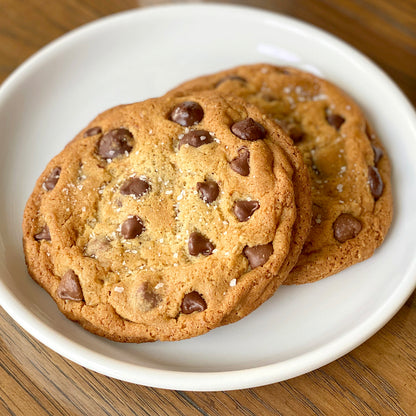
[(377, 378)]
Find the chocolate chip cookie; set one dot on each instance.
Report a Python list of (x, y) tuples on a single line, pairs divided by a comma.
[(348, 166), (167, 218)]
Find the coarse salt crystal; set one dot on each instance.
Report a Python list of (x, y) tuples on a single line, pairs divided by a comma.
[(119, 289), (233, 282)]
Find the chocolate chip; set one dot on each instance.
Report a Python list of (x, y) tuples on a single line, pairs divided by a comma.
[(258, 255), (369, 133), (97, 246), (230, 78), (149, 299), (115, 143), (135, 186), (193, 302), (132, 227), (378, 153), (267, 96), (346, 227), (296, 133), (92, 131), (196, 138), (249, 129), (335, 120), (198, 244), (243, 210), (52, 179), (208, 191), (43, 234), (375, 182), (241, 163), (187, 113), (69, 287)]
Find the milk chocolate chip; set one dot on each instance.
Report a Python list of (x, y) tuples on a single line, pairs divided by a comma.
[(193, 302), (230, 78), (243, 210), (196, 138), (335, 120), (249, 129), (132, 227), (375, 182), (208, 191), (52, 179), (346, 227), (187, 113), (115, 143), (69, 287), (378, 154), (134, 186), (147, 297), (296, 133), (43, 234), (92, 131), (97, 246), (199, 244), (241, 163), (258, 255)]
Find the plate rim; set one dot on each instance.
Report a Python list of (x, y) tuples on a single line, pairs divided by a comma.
[(191, 380)]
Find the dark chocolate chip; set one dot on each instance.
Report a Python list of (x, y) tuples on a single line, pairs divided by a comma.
[(43, 234), (149, 299), (249, 129), (335, 120), (115, 143), (198, 244), (346, 227), (243, 210), (187, 113), (241, 163), (258, 255), (230, 78), (69, 287), (196, 138), (378, 153), (375, 182), (52, 179), (132, 227), (134, 186), (208, 190), (92, 131), (193, 302)]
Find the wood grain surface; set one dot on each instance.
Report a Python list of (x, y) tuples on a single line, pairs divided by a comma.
[(377, 378)]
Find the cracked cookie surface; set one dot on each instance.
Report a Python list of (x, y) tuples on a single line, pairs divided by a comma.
[(348, 166), (167, 218)]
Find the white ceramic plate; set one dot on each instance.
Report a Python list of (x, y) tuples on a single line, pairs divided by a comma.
[(142, 53)]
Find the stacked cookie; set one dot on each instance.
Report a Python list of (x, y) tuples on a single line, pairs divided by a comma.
[(167, 218), (348, 166)]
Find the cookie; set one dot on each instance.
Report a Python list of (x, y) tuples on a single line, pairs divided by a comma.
[(167, 218), (348, 166)]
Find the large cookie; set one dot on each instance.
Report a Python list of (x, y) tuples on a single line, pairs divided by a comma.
[(349, 169), (165, 219)]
